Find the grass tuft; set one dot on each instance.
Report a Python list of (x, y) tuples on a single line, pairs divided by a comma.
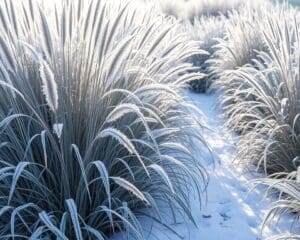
[(92, 126), (260, 96)]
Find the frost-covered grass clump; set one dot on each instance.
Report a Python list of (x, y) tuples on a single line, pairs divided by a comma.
[(228, 37), (92, 127), (238, 48), (190, 9), (210, 8), (261, 99), (208, 31), (281, 153), (262, 96)]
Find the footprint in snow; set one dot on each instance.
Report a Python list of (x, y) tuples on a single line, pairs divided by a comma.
[(225, 216), (205, 220)]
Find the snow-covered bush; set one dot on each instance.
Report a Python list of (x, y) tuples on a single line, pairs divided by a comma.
[(89, 134)]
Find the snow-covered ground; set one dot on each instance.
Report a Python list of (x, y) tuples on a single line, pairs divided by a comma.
[(231, 211)]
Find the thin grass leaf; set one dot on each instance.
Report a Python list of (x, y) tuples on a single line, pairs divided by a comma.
[(74, 217), (130, 187), (51, 227), (17, 174)]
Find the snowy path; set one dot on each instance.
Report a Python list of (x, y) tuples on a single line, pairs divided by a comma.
[(230, 212), (235, 213)]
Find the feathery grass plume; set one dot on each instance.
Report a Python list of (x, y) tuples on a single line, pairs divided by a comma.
[(49, 85), (263, 105), (97, 129)]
